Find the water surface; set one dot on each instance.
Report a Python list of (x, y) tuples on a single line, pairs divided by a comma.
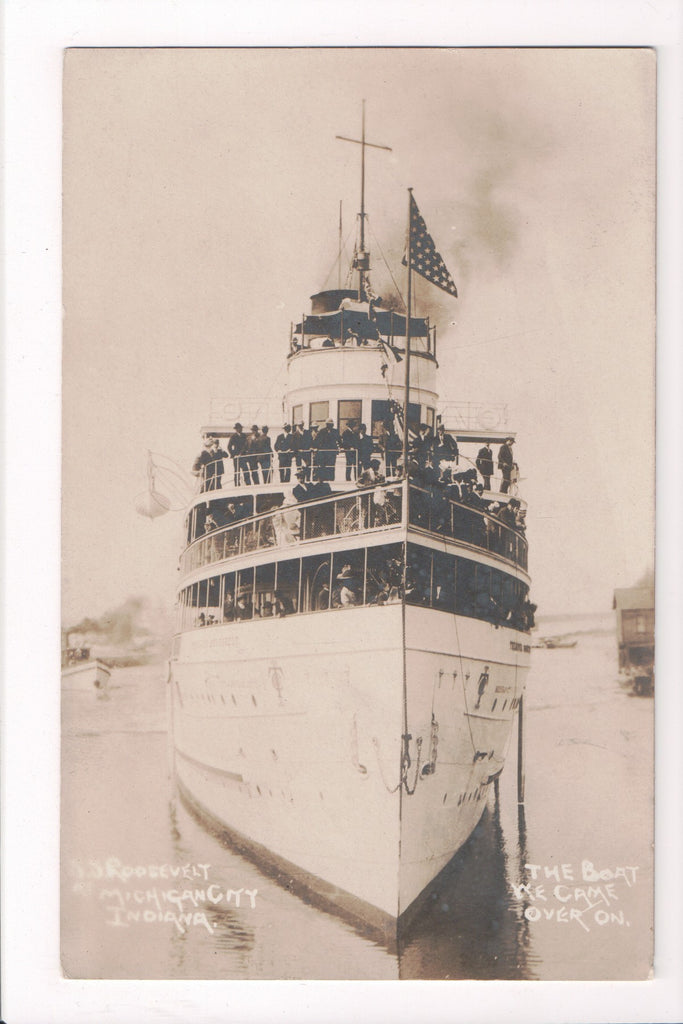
[(560, 889)]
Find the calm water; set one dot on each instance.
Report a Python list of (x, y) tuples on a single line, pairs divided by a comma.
[(582, 848)]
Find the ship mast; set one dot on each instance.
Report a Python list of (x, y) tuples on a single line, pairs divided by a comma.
[(361, 259)]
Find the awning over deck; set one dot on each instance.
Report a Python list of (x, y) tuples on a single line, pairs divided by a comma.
[(383, 323)]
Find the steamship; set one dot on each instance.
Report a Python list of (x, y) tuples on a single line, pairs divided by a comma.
[(351, 647)]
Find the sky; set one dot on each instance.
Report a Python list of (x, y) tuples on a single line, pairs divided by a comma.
[(201, 198)]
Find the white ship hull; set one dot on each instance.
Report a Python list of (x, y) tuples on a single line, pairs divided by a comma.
[(303, 757)]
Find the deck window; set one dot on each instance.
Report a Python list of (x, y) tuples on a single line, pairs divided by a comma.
[(264, 591), (384, 574), (418, 575), (228, 596), (443, 581), (287, 586), (348, 409), (316, 583), (244, 601), (320, 412), (297, 414), (464, 587)]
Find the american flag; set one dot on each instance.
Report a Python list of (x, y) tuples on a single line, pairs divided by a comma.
[(425, 260)]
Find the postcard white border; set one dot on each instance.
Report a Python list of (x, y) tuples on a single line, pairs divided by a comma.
[(35, 34)]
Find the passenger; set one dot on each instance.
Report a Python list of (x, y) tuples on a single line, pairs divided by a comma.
[(236, 446), (506, 464), (484, 464), (210, 523), (520, 515), (452, 489), (228, 607), (506, 514), (444, 448), (431, 476), (265, 456), (468, 476), (297, 444), (252, 450), (327, 444), (285, 452), (421, 447), (243, 608), (208, 465), (346, 593), (371, 477), (201, 621), (327, 343), (349, 443), (306, 490), (482, 502), (283, 604), (393, 445), (267, 610), (365, 446)]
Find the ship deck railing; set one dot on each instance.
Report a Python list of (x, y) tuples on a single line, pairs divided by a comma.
[(375, 509), (318, 464), (434, 512)]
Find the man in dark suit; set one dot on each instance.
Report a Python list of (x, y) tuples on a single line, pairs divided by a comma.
[(265, 454), (420, 448), (444, 448), (505, 464), (327, 445), (283, 447), (365, 446), (484, 464), (349, 442), (236, 446), (252, 450)]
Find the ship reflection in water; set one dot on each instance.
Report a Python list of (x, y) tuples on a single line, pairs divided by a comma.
[(467, 928), (560, 891)]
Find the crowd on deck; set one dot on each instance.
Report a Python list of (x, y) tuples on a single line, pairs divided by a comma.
[(433, 460)]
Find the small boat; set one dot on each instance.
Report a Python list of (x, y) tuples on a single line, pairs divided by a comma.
[(553, 642), (81, 672)]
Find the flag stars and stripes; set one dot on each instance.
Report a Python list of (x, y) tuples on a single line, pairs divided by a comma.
[(426, 260)]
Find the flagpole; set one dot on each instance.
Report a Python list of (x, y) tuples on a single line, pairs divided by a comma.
[(406, 395)]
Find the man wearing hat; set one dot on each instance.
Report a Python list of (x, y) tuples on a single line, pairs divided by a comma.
[(236, 446), (347, 590), (327, 445), (285, 452), (505, 464), (349, 442), (484, 464), (252, 449)]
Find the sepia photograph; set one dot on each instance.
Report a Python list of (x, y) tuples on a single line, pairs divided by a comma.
[(341, 665), (358, 594)]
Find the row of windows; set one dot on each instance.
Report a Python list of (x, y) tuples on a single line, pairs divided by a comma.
[(347, 410), (362, 576)]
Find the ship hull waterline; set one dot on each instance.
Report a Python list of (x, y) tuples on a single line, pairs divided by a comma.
[(358, 760)]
